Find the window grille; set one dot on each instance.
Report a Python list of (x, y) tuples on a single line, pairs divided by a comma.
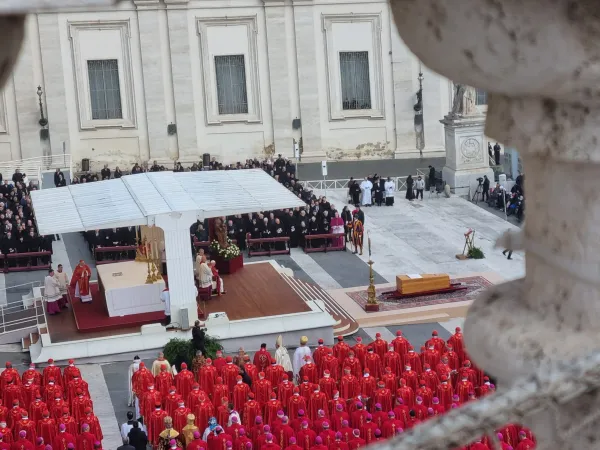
[(231, 84), (356, 84), (105, 89)]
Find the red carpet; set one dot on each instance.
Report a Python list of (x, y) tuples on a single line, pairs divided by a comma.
[(93, 316)]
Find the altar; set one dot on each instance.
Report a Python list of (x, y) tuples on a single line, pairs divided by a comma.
[(124, 286)]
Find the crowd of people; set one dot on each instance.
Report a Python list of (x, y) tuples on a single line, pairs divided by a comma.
[(18, 233), (47, 410), (329, 398), (498, 197)]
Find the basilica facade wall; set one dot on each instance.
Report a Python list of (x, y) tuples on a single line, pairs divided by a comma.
[(172, 79)]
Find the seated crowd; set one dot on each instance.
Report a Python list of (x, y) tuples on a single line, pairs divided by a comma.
[(346, 397), (18, 232), (48, 410)]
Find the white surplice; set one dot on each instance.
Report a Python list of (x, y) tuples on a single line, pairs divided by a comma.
[(366, 187), (299, 361)]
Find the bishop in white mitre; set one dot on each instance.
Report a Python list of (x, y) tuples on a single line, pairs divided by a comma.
[(282, 357)]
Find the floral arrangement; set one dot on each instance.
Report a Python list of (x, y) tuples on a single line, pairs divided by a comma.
[(232, 250)]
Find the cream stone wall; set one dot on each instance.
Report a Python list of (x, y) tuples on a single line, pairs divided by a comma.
[(166, 56)]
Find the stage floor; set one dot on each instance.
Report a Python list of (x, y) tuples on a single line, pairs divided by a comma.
[(256, 290)]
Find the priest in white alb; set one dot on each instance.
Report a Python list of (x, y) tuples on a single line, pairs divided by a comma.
[(282, 357), (365, 188), (52, 293), (299, 354)]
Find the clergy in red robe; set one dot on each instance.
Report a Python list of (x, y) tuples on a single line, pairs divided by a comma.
[(368, 385), (32, 374), (219, 361), (68, 421), (349, 385), (413, 360), (274, 373), (452, 358), (207, 376), (457, 343), (46, 427), (3, 444), (262, 358), (29, 391), (4, 411), (62, 439), (379, 416), (367, 430), (15, 414), (284, 433), (359, 416), (26, 425), (271, 408), (79, 404), (524, 442), (380, 345), (6, 433), (354, 364), (383, 396), (250, 412), (510, 434), (295, 403), (438, 343), (392, 426), (240, 394), (406, 393), (373, 363), (91, 419), (318, 401), (171, 401), (10, 374), (229, 373), (341, 349), (425, 393), (285, 390), (150, 398), (306, 437), (431, 356), (338, 416), (327, 384), (251, 369), (309, 371), (194, 396), (262, 389), (203, 411), (81, 282), (223, 411), (411, 378), (22, 443), (163, 381), (12, 392), (85, 440), (463, 389), (220, 390), (184, 381), (327, 435), (319, 353), (335, 401), (155, 424), (180, 416), (52, 391), (75, 385), (393, 360), (52, 371), (467, 371)]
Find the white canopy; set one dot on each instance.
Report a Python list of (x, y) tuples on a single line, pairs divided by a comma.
[(130, 200)]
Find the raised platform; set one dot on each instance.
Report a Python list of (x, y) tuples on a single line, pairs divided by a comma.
[(260, 304), (93, 316)]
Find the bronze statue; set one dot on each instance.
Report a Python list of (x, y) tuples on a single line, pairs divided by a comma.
[(221, 232)]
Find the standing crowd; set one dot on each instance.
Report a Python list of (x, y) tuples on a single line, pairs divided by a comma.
[(330, 398)]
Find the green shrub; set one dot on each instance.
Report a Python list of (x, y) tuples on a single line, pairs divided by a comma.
[(179, 351), (475, 253)]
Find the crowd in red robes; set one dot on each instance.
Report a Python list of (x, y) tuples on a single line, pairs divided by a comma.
[(348, 397), (51, 410)]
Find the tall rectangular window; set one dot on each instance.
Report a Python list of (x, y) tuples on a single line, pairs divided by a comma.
[(354, 76), (481, 97), (231, 84), (105, 89)]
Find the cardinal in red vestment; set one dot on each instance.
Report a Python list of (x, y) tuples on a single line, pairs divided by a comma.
[(380, 345), (285, 390), (29, 391), (51, 371), (393, 360), (46, 427), (223, 411), (271, 408), (12, 392), (77, 384), (262, 389), (319, 353), (373, 363), (207, 376), (4, 411), (368, 385), (180, 416), (251, 369), (155, 424), (79, 405), (327, 384), (457, 343), (15, 414), (469, 372), (406, 393), (413, 360), (240, 394), (383, 396), (262, 358), (463, 389), (148, 400), (62, 439), (431, 356), (81, 281), (163, 381), (349, 385), (194, 396), (26, 425), (184, 381), (318, 401), (32, 374), (69, 422), (3, 444), (274, 373), (338, 416), (452, 358), (6, 433), (171, 401), (251, 411), (354, 364), (203, 411), (9, 375), (86, 439), (341, 349), (229, 373), (220, 390), (306, 437), (91, 419), (425, 393), (295, 403), (524, 442), (309, 371)]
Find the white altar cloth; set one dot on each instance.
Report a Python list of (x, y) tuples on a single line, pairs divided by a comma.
[(126, 291)]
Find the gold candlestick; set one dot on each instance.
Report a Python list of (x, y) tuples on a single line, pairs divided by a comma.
[(149, 277), (372, 304)]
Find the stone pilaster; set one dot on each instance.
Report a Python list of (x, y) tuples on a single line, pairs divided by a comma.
[(24, 78), (180, 267), (308, 80), (181, 67), (544, 101), (281, 108), (54, 81), (154, 83)]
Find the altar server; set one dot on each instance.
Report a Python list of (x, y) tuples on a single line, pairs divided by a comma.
[(52, 293)]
